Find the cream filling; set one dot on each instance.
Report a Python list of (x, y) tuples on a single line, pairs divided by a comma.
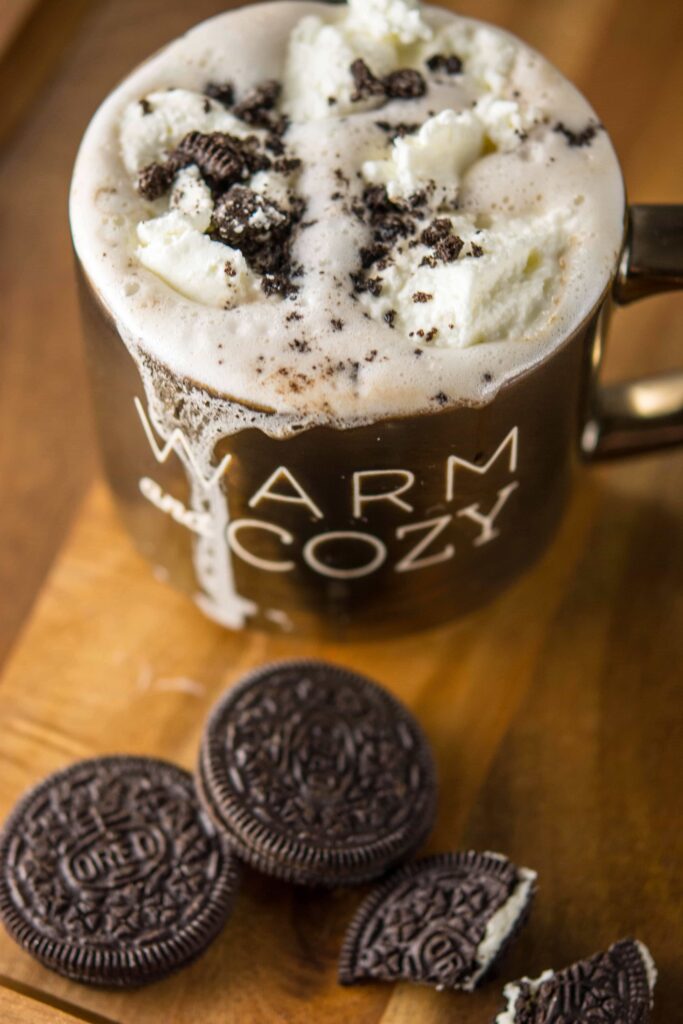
[(503, 922)]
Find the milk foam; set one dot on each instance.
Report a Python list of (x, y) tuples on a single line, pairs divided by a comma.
[(547, 216)]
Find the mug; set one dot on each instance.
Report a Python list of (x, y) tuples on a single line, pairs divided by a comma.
[(393, 526)]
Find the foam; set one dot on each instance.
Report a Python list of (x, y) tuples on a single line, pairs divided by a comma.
[(238, 353)]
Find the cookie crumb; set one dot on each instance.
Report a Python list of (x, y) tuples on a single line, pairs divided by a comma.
[(578, 139), (451, 65), (222, 92), (404, 84)]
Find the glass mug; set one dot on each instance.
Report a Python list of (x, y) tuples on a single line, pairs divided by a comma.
[(395, 525)]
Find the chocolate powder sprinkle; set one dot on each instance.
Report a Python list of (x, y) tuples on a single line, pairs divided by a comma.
[(147, 107), (476, 250), (337, 324), (578, 139), (451, 65), (390, 317), (422, 297), (222, 92), (440, 398)]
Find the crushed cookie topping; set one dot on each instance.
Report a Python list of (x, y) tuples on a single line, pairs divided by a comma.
[(258, 107), (449, 65), (155, 180), (403, 84), (581, 138), (222, 92), (242, 218), (399, 130), (446, 245), (365, 82)]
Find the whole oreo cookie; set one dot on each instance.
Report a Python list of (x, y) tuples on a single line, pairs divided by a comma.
[(442, 921), (318, 775), (614, 987), (111, 874)]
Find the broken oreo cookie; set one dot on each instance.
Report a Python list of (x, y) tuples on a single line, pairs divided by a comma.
[(442, 921), (317, 775), (402, 84), (111, 874), (614, 987)]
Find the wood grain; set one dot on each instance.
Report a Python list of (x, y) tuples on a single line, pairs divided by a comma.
[(33, 39), (21, 1005), (555, 714)]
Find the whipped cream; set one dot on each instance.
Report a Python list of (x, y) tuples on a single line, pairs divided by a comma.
[(317, 77), (153, 127), (501, 926), (505, 279), (535, 222)]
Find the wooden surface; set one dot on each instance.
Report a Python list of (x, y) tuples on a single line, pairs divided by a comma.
[(555, 714)]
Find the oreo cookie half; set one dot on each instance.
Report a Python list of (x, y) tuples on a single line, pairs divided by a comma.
[(614, 987), (111, 874), (442, 921), (318, 775)]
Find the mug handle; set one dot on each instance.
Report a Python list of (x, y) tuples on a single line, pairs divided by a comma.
[(645, 414)]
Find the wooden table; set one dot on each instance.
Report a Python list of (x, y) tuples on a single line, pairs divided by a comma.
[(555, 714)]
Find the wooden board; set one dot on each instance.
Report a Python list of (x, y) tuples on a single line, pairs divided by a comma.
[(556, 714), (553, 715)]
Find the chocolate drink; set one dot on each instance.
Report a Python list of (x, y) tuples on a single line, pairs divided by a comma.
[(341, 271)]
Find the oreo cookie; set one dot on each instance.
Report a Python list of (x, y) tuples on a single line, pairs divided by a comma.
[(112, 875), (442, 921), (317, 775), (614, 987)]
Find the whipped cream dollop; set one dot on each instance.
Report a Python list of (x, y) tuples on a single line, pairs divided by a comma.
[(299, 199)]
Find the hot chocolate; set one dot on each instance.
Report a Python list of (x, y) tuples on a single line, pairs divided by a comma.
[(302, 217)]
